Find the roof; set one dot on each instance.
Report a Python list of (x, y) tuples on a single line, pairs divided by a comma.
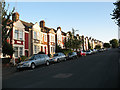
[(26, 24), (63, 33), (45, 29)]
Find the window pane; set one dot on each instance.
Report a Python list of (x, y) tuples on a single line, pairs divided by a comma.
[(21, 35), (16, 51), (16, 34), (35, 35), (38, 35), (45, 38), (21, 51), (35, 48)]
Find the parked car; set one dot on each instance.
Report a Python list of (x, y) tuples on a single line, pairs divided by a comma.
[(72, 55), (94, 50), (101, 50), (81, 53), (33, 61), (119, 47), (89, 52), (58, 57)]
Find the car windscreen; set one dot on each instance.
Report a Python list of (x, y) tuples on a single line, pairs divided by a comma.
[(31, 58), (88, 51), (55, 55), (69, 53)]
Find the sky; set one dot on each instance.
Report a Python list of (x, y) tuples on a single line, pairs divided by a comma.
[(91, 19)]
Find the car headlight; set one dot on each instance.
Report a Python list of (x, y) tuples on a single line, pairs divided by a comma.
[(26, 63), (55, 59)]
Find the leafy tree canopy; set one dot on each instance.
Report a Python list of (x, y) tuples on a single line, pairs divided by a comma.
[(114, 43), (106, 45), (97, 47), (7, 25), (116, 12)]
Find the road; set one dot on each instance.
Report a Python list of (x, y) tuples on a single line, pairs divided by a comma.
[(100, 70)]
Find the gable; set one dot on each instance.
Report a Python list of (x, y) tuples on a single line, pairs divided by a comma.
[(52, 31), (18, 25), (36, 27), (59, 31)]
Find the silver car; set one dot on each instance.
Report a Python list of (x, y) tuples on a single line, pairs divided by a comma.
[(89, 52), (58, 57), (33, 61)]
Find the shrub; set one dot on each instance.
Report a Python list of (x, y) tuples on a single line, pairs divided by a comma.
[(49, 55), (22, 58), (66, 51), (5, 60)]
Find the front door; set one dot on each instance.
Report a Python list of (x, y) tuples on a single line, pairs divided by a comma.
[(45, 50), (41, 49)]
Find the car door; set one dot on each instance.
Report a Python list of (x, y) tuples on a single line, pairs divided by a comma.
[(37, 60), (42, 57), (59, 56), (47, 58), (62, 55)]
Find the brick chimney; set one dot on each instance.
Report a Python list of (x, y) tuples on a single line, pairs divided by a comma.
[(15, 16), (59, 28), (42, 23)]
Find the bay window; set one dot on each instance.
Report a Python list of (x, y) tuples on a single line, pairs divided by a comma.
[(16, 51), (18, 34)]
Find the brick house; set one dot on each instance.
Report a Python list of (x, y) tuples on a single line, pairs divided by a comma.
[(36, 39), (63, 39), (18, 36), (28, 28), (51, 41), (59, 37), (48, 41)]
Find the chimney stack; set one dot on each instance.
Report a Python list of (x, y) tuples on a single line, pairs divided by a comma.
[(15, 16), (42, 23), (58, 28)]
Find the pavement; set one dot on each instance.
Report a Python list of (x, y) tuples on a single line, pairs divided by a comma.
[(100, 70)]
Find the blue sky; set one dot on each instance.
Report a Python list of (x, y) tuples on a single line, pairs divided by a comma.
[(90, 18)]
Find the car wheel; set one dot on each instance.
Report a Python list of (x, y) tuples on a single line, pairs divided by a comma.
[(33, 66), (47, 63), (58, 60), (65, 59), (18, 69)]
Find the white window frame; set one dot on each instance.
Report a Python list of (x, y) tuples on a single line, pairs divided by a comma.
[(16, 51), (45, 37), (35, 49), (20, 51), (35, 35), (21, 35), (16, 33)]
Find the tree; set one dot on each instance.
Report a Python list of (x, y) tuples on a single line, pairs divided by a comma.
[(114, 43), (116, 12), (106, 45), (7, 49), (76, 43), (72, 42), (7, 25), (97, 47), (58, 49)]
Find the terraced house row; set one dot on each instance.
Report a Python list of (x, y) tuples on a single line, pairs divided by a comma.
[(28, 38)]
